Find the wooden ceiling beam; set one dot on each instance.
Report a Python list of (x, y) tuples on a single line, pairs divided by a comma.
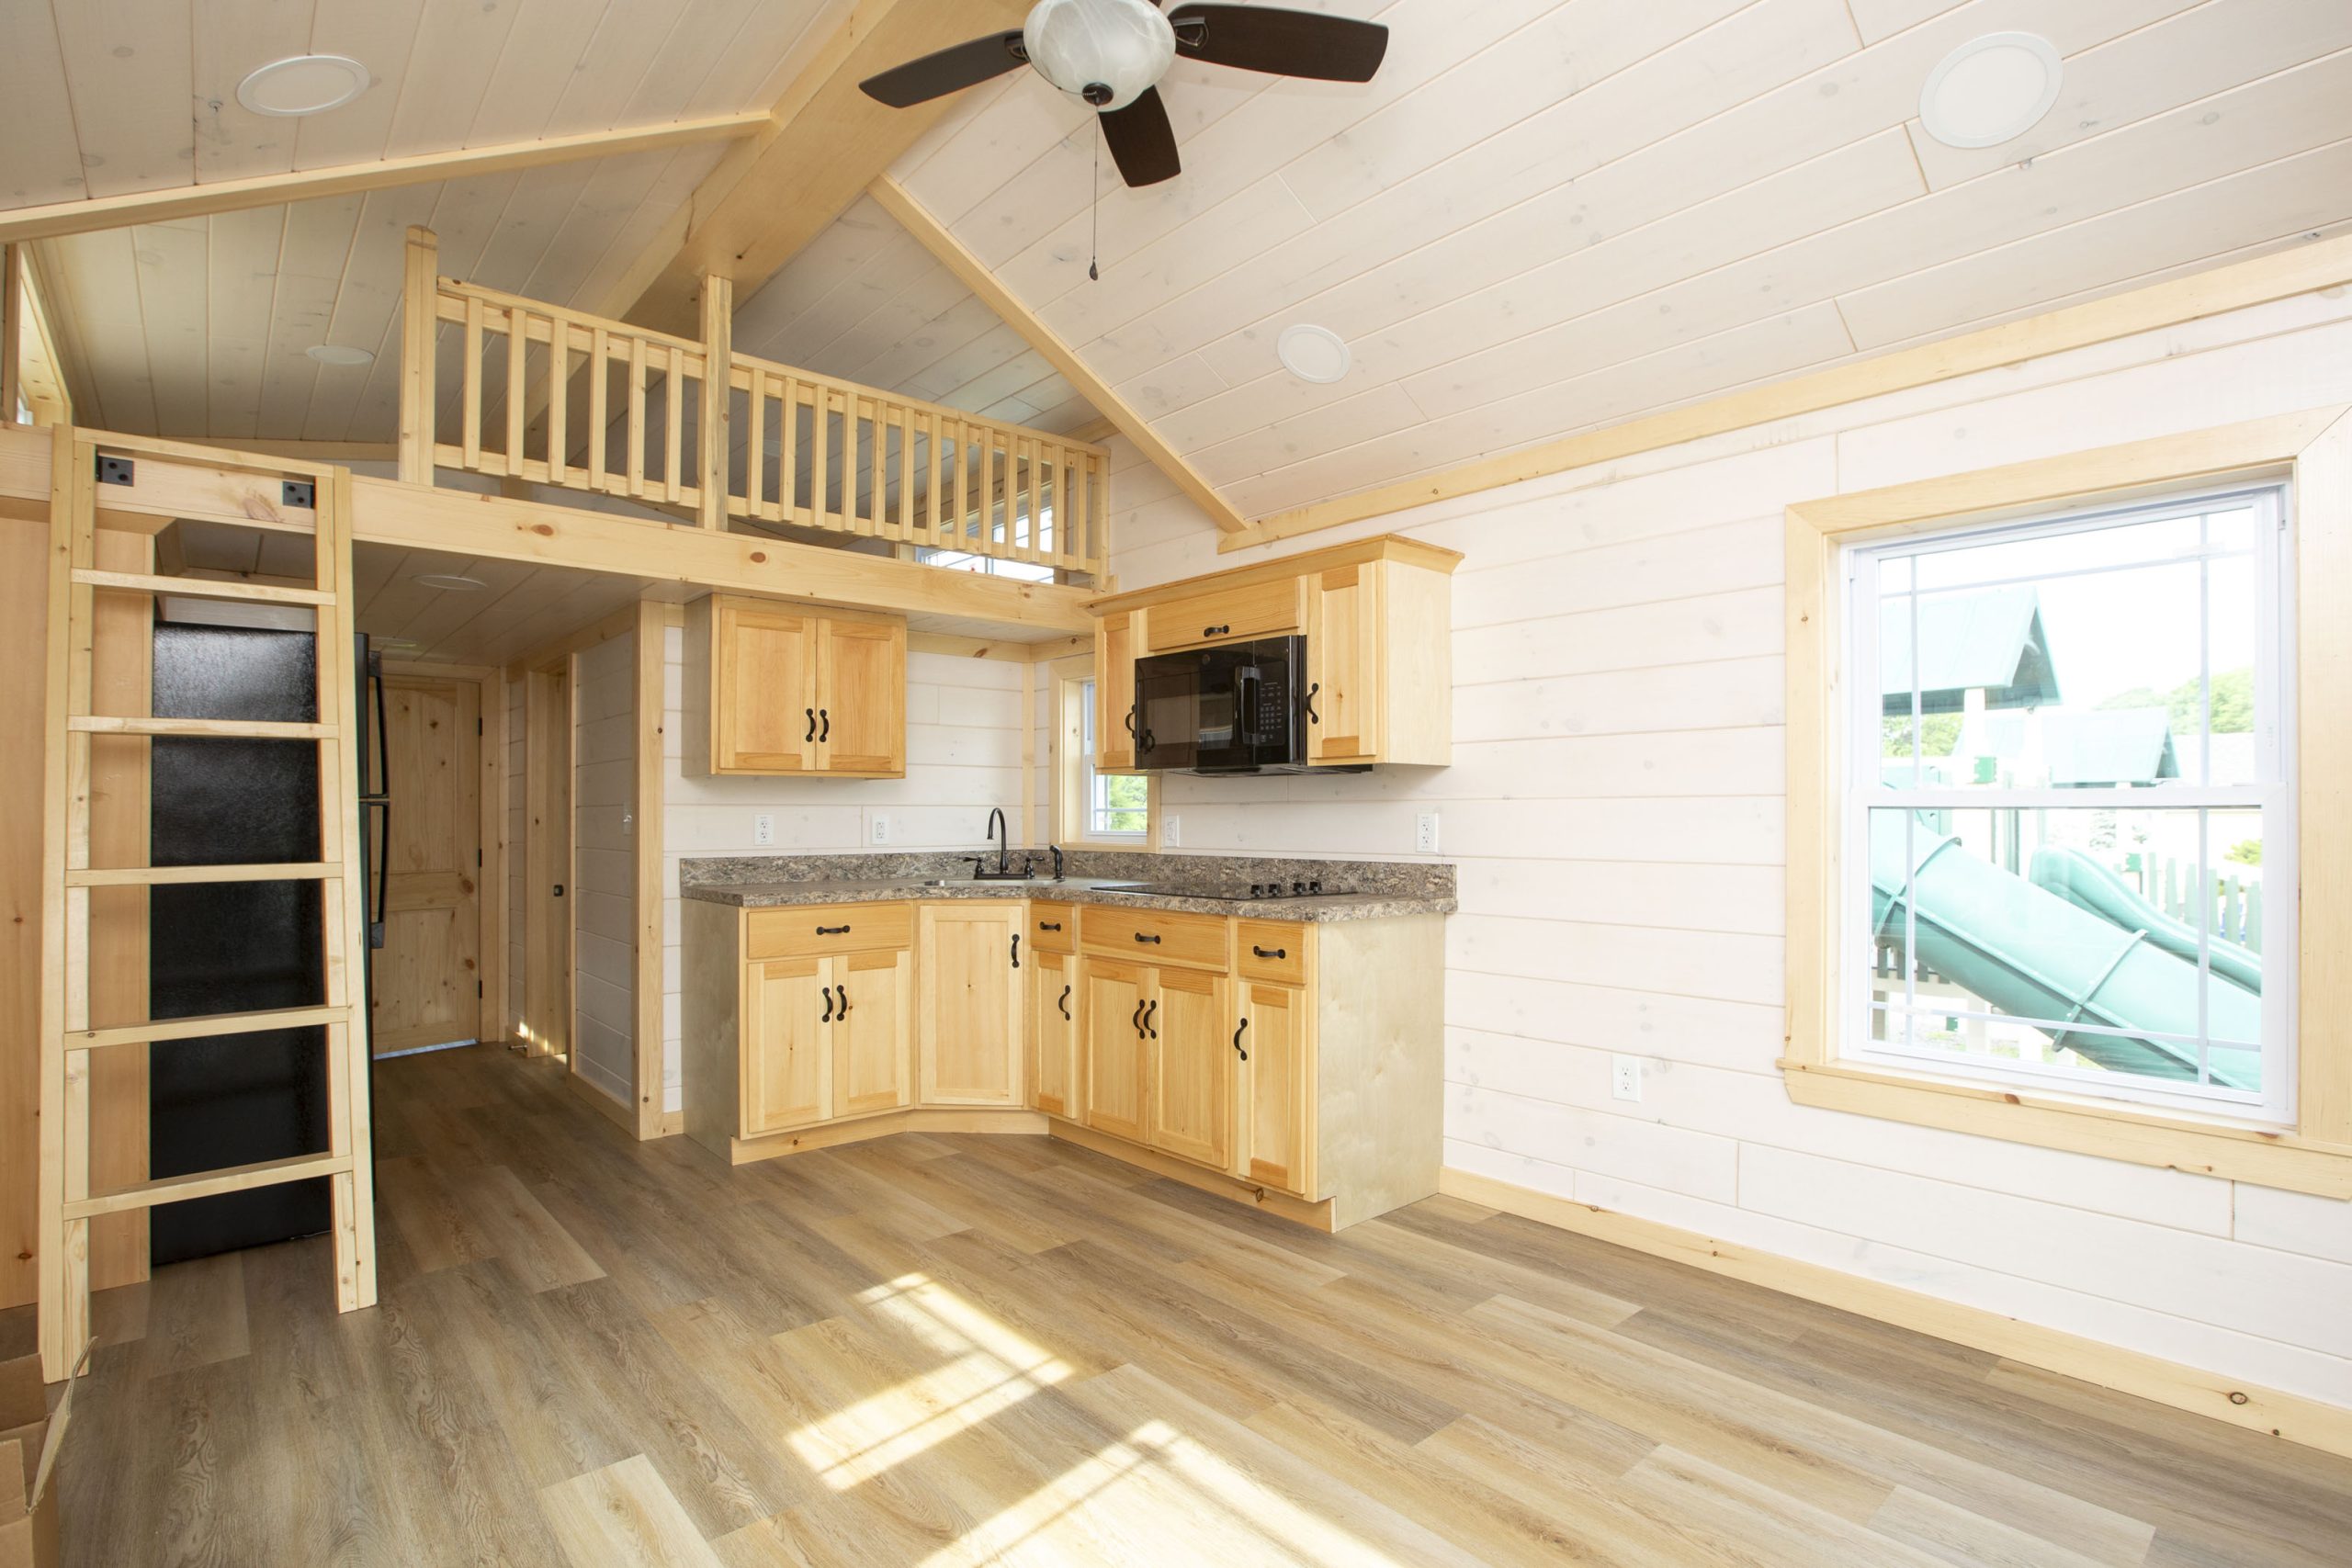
[(48, 221), (825, 143), (974, 274)]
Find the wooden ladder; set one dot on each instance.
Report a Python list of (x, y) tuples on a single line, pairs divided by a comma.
[(67, 1035)]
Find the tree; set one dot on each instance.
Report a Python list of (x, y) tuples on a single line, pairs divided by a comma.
[(2233, 702), (1939, 733)]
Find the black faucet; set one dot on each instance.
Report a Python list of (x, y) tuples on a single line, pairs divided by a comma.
[(1002, 837)]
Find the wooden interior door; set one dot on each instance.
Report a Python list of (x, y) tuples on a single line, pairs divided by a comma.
[(764, 680), (1343, 622), (1188, 1100), (972, 1004), (787, 1068), (1053, 1015), (548, 997), (1113, 1091), (428, 975), (862, 697), (1277, 1129), (873, 1030)]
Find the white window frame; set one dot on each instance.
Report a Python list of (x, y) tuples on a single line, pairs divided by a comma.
[(1074, 771), (2274, 795)]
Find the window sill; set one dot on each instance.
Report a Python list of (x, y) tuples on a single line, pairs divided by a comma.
[(2081, 1124)]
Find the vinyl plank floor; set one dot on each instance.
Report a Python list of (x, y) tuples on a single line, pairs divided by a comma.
[(953, 1349)]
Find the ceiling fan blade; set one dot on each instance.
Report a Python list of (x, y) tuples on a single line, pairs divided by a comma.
[(1279, 42), (949, 70), (1142, 142)]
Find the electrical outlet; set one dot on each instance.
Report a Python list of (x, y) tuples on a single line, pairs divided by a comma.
[(628, 824), (764, 829), (1425, 833), (878, 831), (1625, 1077), (1171, 832)]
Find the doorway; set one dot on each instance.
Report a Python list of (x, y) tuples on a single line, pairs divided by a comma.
[(429, 984)]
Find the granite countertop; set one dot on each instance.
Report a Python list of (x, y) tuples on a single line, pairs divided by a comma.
[(1382, 891)]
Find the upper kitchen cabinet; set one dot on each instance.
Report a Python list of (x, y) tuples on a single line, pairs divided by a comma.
[(1332, 657), (777, 689)]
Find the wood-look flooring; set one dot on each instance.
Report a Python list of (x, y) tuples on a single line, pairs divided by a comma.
[(936, 1349)]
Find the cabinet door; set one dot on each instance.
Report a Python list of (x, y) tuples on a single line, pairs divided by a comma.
[(1053, 1026), (972, 1004), (1343, 664), (1277, 1127), (1111, 1019), (1187, 1035), (862, 697), (763, 686), (873, 1030), (1115, 692), (788, 1069)]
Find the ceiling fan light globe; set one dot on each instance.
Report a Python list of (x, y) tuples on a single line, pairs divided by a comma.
[(1104, 52)]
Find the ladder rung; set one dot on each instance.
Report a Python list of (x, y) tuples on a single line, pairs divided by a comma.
[(206, 1183), (203, 1025), (200, 587), (161, 876), (235, 728)]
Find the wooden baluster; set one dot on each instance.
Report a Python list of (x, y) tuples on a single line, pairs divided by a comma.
[(635, 459), (714, 439), (518, 343), (600, 348), (906, 473), (755, 446), (674, 416), (419, 321), (470, 400), (819, 447), (963, 477), (986, 522), (558, 398), (788, 464), (876, 511), (938, 479)]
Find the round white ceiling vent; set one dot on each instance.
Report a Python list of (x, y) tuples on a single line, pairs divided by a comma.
[(1313, 354), (1990, 89), (340, 353), (302, 84), (450, 583)]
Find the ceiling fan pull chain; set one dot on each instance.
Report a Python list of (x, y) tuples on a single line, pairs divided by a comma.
[(1094, 245)]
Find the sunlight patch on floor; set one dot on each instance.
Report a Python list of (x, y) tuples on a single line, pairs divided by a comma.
[(988, 1368)]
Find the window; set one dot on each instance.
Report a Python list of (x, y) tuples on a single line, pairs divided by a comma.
[(987, 566), (1117, 805), (2069, 824)]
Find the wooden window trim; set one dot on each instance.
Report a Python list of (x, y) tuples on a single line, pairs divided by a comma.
[(2311, 450)]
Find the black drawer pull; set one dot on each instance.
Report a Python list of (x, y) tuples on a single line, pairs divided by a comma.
[(1016, 950), (1236, 1039), (1137, 1020), (826, 992), (1256, 952), (844, 992), (1049, 925), (1151, 1010), (825, 717), (812, 724), (1153, 940), (832, 930), (1063, 1002), (1217, 631)]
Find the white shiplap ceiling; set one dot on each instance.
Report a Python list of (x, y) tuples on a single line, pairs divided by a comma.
[(1544, 217)]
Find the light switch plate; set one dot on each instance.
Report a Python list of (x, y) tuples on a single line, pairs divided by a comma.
[(1625, 1077), (1171, 832), (764, 829)]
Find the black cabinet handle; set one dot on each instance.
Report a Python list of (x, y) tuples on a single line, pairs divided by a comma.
[(812, 724), (1063, 1002), (825, 717), (1256, 952), (1153, 940), (1131, 723), (832, 930), (1150, 1011), (1016, 950), (1137, 1020), (1236, 1039), (1217, 631), (844, 992), (1049, 925), (1312, 717), (826, 992)]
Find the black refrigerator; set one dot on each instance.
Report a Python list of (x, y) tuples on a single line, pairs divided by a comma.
[(223, 1101)]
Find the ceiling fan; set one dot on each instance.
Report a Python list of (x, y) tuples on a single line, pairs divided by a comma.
[(1112, 53)]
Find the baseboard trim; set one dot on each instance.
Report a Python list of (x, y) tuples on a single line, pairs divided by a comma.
[(2291, 1417), (882, 1124), (614, 1110), (1313, 1214)]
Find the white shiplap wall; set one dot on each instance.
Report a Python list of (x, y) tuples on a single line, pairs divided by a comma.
[(604, 784), (964, 720), (1615, 808)]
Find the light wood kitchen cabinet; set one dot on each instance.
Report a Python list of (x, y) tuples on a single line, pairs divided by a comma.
[(772, 689), (1053, 1025), (788, 1065), (873, 1030), (1377, 619), (1190, 1104), (1114, 692), (1276, 1061), (969, 1032), (1114, 1045)]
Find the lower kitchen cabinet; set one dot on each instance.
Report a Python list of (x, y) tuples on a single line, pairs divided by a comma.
[(969, 1034), (1112, 1021), (1053, 1025), (787, 1062), (873, 1030), (1189, 1108), (1276, 1061)]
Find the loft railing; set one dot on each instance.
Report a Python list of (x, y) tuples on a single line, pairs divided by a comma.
[(585, 403)]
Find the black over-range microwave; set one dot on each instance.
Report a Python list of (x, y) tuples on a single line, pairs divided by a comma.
[(1238, 708)]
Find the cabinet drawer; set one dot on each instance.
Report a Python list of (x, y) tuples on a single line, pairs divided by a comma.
[(1053, 927), (1259, 609), (813, 929), (1270, 949), (1152, 936)]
